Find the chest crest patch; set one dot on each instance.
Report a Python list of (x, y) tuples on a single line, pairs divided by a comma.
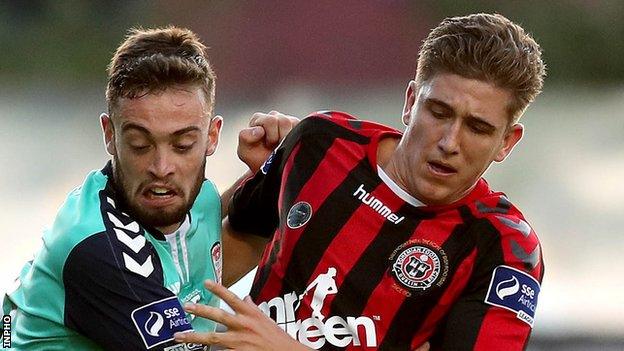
[(419, 265)]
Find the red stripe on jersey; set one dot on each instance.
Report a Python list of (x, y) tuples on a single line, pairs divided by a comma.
[(325, 179), (501, 327), (438, 229)]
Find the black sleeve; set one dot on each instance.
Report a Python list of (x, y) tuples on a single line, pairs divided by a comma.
[(116, 296), (254, 206)]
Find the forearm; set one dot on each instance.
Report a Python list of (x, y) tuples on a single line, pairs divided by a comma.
[(241, 253), (226, 196)]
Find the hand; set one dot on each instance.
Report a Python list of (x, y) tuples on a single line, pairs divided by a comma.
[(423, 347), (248, 329), (264, 133)]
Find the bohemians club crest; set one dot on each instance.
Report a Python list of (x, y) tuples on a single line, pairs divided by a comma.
[(417, 265)]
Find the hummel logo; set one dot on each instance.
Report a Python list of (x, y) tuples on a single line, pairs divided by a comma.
[(376, 205), (144, 269), (135, 244)]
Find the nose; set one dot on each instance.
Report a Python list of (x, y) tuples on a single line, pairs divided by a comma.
[(449, 142), (162, 164)]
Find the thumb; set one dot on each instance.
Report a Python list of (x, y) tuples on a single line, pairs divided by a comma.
[(251, 135)]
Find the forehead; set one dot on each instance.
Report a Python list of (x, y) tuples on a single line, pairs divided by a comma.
[(165, 111), (469, 96)]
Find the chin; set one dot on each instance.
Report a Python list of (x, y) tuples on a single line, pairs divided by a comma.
[(162, 217)]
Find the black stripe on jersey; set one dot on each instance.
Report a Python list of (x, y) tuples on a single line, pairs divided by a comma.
[(415, 309), (311, 153), (329, 219), (466, 327)]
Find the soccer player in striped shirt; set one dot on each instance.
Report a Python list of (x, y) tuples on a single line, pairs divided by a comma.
[(380, 239)]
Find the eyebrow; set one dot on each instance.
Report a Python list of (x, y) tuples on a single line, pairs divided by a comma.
[(474, 118), (133, 126)]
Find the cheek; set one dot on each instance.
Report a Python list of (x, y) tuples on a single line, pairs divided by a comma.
[(479, 153), (132, 165)]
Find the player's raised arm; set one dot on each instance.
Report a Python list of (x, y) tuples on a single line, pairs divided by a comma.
[(242, 252)]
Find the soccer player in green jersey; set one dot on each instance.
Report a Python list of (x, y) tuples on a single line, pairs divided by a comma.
[(137, 239)]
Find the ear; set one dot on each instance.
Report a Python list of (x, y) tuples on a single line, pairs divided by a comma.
[(410, 100), (109, 133), (513, 136), (214, 131)]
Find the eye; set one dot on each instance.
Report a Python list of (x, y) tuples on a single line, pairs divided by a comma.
[(478, 128), (139, 148), (438, 114), (182, 148)]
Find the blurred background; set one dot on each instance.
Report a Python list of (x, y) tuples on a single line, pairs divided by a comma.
[(299, 56)]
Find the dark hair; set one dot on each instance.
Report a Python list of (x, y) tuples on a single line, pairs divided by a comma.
[(155, 59), (485, 47)]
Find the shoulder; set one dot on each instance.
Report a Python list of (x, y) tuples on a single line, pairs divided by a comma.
[(207, 206), (97, 236), (339, 125), (78, 218), (516, 238), (208, 199)]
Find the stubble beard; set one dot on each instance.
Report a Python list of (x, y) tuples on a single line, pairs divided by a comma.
[(156, 218)]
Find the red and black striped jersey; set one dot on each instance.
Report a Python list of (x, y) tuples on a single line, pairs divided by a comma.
[(352, 265)]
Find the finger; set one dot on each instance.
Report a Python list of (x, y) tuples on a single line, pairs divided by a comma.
[(248, 300), (213, 313), (271, 129), (255, 117), (423, 347), (227, 296), (285, 125), (251, 135), (209, 338)]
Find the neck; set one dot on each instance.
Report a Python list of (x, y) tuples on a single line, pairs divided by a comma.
[(387, 159), (385, 151)]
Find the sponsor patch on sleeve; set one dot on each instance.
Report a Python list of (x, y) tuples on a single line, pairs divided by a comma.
[(514, 290), (159, 320), (267, 164)]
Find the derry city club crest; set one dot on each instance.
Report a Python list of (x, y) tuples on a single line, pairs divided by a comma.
[(418, 267)]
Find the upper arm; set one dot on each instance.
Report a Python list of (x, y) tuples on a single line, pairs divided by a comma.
[(117, 298), (497, 308)]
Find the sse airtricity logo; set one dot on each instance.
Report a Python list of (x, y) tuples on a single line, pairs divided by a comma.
[(507, 288), (267, 164), (154, 324), (514, 290), (159, 320)]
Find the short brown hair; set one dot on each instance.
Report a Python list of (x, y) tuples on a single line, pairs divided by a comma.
[(155, 59), (485, 47)]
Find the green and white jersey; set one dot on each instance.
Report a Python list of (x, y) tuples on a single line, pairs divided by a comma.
[(104, 281)]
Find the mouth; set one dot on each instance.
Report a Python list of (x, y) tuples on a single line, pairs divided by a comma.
[(441, 169), (159, 195)]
